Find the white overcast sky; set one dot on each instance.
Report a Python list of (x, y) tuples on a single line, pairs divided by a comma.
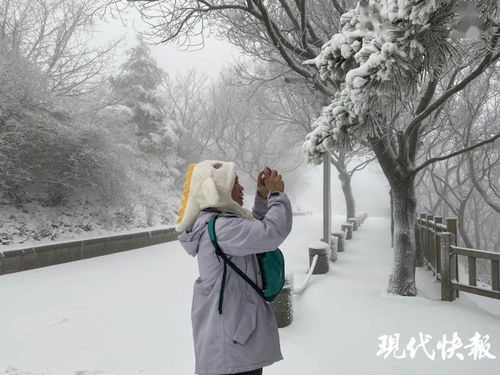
[(211, 59)]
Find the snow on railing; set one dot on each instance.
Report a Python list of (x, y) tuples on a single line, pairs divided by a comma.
[(308, 276)]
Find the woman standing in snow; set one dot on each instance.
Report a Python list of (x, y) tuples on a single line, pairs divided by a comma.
[(242, 337)]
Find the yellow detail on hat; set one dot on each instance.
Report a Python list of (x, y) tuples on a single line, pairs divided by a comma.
[(185, 194)]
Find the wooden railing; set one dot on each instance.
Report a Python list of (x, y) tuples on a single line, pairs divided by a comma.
[(426, 231), (438, 242), (449, 283)]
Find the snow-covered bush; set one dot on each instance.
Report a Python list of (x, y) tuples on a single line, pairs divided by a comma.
[(50, 161), (46, 153)]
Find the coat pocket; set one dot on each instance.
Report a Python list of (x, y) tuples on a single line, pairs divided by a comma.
[(247, 323)]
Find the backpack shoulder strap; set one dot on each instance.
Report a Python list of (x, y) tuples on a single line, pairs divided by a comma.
[(219, 252)]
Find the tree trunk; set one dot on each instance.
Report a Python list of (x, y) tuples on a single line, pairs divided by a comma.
[(392, 218), (402, 278), (350, 205), (404, 203)]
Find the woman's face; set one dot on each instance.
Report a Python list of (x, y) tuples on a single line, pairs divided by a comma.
[(237, 192)]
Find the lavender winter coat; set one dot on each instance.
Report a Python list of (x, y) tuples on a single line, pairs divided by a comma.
[(245, 336)]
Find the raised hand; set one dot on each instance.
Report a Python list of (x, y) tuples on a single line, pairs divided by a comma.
[(274, 182), (261, 185)]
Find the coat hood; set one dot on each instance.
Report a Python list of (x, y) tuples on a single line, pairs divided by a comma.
[(190, 238)]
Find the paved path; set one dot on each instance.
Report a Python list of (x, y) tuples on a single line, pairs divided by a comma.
[(129, 313)]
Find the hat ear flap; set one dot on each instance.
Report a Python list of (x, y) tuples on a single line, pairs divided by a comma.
[(210, 192)]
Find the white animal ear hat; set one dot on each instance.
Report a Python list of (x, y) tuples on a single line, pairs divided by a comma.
[(208, 184)]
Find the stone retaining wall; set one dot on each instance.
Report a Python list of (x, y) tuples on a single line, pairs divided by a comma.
[(23, 259)]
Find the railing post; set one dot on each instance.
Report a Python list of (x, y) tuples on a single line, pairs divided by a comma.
[(422, 239), (431, 241), (321, 249), (438, 220), (495, 279), (472, 270), (447, 268), (420, 252), (283, 304), (347, 228), (451, 225), (334, 248), (340, 242), (432, 255), (354, 223)]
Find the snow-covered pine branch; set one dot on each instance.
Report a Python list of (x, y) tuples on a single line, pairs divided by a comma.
[(378, 57)]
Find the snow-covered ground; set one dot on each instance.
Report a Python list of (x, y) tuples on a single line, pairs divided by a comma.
[(33, 224), (129, 313)]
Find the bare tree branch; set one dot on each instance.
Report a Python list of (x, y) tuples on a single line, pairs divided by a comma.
[(435, 159)]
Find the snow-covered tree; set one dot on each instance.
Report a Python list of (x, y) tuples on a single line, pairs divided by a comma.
[(293, 104), (188, 104), (139, 87), (397, 62), (56, 36), (244, 133), (467, 186)]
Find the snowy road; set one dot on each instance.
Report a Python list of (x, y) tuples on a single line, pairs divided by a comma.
[(129, 313)]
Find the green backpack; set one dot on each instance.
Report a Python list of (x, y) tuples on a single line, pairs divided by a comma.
[(272, 269)]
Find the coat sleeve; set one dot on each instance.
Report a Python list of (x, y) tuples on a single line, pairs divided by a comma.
[(260, 207), (239, 236)]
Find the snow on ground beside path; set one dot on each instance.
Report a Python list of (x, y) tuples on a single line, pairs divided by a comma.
[(129, 313)]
